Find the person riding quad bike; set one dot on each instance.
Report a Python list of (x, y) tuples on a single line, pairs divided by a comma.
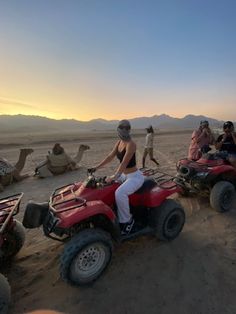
[(85, 216), (226, 143)]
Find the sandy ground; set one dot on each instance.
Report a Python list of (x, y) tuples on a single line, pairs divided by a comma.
[(196, 273)]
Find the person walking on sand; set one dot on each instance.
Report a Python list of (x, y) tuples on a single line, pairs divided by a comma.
[(200, 141), (148, 150), (127, 173), (10, 173)]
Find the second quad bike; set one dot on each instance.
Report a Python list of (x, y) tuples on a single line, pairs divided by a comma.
[(84, 215), (212, 175), (12, 237)]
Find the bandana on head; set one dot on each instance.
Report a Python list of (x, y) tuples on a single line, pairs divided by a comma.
[(204, 123), (123, 130)]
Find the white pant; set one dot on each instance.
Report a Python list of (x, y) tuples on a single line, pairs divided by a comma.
[(132, 182)]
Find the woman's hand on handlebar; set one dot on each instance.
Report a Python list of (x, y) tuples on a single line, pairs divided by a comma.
[(110, 179)]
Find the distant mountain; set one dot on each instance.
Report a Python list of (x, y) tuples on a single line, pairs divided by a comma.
[(23, 123)]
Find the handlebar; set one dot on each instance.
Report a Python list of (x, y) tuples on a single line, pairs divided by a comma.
[(90, 171)]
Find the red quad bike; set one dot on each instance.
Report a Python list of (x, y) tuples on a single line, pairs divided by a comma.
[(212, 176), (84, 215), (12, 237)]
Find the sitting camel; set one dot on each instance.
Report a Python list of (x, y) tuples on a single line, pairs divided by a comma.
[(12, 173), (59, 162)]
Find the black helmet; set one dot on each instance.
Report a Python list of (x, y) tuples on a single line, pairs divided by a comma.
[(228, 124)]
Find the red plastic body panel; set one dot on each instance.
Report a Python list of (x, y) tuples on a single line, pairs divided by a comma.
[(223, 169), (153, 198), (215, 167), (75, 203), (92, 208)]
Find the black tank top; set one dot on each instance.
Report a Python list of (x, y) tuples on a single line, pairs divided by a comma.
[(120, 156)]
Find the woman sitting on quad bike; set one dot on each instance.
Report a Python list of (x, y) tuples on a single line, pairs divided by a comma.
[(127, 173), (200, 141), (226, 142)]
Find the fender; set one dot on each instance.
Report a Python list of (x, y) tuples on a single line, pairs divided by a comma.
[(157, 196), (74, 216), (223, 169)]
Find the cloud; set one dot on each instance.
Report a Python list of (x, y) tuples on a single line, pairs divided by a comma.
[(16, 103), (22, 105)]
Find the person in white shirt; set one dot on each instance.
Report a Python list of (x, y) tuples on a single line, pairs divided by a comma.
[(148, 150)]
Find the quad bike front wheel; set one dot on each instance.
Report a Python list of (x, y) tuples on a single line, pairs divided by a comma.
[(169, 220), (222, 196), (13, 241), (86, 256), (5, 294)]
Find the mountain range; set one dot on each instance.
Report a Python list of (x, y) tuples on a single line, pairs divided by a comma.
[(23, 123)]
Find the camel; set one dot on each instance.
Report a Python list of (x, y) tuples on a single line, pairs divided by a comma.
[(12, 173), (58, 162)]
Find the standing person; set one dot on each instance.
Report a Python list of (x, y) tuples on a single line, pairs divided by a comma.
[(10, 173), (148, 150), (227, 142), (200, 141), (127, 173)]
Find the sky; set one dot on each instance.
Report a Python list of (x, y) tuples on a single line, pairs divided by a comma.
[(115, 59)]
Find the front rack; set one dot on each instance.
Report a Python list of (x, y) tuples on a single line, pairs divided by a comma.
[(9, 206), (59, 193)]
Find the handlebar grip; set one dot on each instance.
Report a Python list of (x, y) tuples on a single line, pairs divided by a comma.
[(91, 170)]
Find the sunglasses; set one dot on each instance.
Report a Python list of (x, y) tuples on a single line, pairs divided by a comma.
[(124, 127)]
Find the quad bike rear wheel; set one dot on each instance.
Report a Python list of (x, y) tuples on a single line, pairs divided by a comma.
[(86, 256), (5, 294), (222, 196), (169, 220), (13, 242)]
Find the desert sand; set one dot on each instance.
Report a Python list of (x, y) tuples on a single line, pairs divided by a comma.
[(194, 274)]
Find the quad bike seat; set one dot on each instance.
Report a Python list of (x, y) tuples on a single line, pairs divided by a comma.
[(148, 184)]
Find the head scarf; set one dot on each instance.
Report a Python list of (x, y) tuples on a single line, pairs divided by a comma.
[(204, 123), (123, 130)]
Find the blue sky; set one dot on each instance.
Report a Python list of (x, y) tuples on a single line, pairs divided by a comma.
[(118, 59)]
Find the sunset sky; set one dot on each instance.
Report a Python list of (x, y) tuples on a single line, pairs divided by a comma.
[(113, 59)]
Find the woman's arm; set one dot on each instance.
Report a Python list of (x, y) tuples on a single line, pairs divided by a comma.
[(219, 142), (109, 157), (234, 137), (210, 135), (196, 136)]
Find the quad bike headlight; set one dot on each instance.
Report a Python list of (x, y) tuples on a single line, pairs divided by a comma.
[(185, 171)]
